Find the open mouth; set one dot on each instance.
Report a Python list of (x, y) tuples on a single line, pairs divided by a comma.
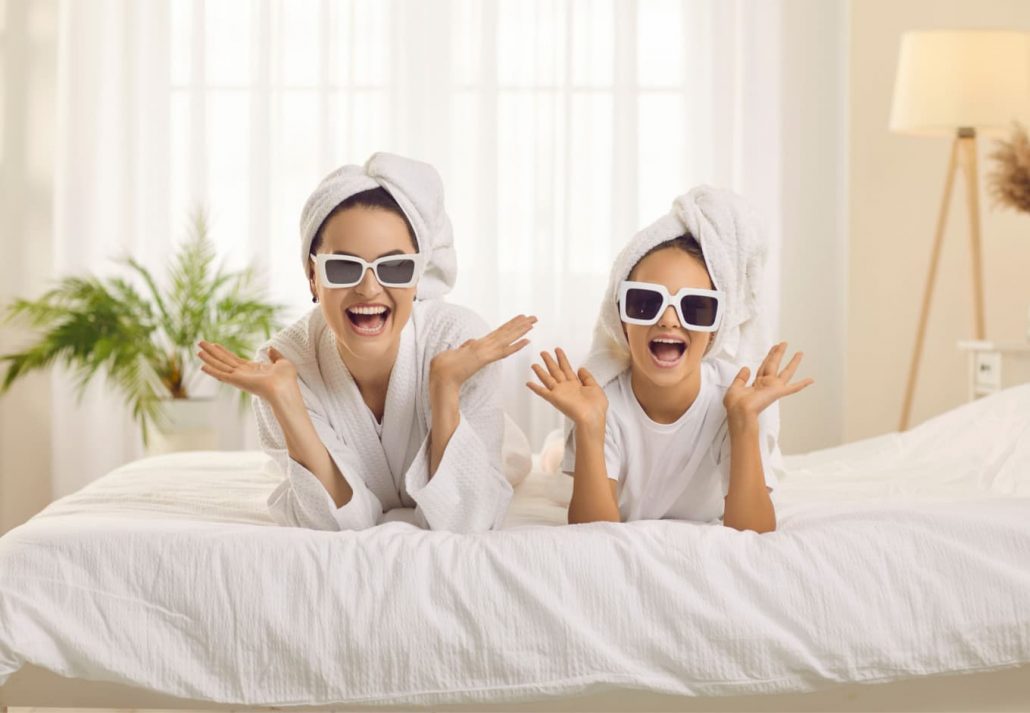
[(368, 320), (667, 352)]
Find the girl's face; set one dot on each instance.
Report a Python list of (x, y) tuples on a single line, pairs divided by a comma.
[(367, 318), (665, 353)]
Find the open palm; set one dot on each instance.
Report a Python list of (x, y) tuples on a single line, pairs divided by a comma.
[(770, 384), (456, 366), (575, 393), (262, 379)]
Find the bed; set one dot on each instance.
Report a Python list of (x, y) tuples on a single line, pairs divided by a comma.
[(899, 577)]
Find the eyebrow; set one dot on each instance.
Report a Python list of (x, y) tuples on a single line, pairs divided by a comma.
[(392, 252)]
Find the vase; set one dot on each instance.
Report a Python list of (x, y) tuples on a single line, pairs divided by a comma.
[(186, 425)]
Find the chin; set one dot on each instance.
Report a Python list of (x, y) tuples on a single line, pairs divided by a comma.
[(367, 348), (668, 377)]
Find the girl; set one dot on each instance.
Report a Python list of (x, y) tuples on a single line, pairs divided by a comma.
[(382, 397), (667, 429)]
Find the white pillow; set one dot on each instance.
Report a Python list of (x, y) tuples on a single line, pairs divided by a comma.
[(553, 451), (516, 456)]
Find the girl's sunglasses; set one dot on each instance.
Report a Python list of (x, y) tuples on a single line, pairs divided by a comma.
[(348, 270), (645, 302)]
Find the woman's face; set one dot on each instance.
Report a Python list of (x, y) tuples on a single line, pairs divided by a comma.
[(367, 319), (665, 353)]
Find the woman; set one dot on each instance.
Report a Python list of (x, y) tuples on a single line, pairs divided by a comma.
[(383, 397)]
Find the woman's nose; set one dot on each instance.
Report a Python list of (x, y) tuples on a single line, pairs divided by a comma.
[(369, 285)]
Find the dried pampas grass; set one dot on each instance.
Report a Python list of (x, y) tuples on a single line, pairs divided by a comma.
[(1009, 182)]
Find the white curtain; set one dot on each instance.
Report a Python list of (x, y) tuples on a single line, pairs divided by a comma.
[(560, 128)]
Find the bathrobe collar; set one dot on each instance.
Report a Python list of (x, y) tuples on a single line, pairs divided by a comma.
[(383, 457)]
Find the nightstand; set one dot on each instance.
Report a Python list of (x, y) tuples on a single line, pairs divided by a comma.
[(994, 366)]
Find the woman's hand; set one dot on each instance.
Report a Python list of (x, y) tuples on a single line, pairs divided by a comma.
[(745, 402), (575, 394), (451, 368), (266, 381)]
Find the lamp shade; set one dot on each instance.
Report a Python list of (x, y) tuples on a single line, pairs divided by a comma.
[(950, 79)]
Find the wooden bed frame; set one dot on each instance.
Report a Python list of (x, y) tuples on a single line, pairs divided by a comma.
[(995, 690)]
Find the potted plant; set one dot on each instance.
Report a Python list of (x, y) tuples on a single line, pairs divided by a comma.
[(142, 336)]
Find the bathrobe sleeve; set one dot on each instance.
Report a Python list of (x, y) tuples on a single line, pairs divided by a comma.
[(468, 492), (301, 500)]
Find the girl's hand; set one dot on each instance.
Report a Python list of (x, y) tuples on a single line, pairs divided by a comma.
[(575, 394), (266, 381), (747, 401), (453, 367)]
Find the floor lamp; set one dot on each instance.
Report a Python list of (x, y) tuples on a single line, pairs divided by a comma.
[(958, 83)]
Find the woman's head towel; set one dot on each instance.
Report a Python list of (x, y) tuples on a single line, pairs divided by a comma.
[(417, 188), (735, 252)]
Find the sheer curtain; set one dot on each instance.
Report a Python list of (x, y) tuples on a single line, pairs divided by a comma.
[(560, 128)]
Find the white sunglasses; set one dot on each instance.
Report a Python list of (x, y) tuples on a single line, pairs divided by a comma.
[(401, 270), (645, 303)]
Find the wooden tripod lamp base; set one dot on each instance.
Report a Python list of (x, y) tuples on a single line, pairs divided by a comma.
[(963, 156), (965, 80)]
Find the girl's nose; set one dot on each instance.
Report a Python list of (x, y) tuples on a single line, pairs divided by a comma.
[(669, 318)]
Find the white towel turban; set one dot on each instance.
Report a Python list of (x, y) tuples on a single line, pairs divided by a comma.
[(417, 188), (735, 252)]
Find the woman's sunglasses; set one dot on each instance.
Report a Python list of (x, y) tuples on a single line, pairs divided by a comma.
[(348, 270), (645, 302)]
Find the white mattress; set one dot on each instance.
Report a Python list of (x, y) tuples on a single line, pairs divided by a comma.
[(895, 557)]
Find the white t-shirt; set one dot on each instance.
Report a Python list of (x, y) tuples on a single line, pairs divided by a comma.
[(679, 470)]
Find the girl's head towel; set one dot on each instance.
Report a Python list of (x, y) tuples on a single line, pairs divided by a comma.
[(417, 188)]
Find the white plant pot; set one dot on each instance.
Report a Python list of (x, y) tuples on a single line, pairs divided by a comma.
[(188, 426)]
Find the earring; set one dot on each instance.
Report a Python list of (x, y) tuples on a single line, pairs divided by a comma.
[(314, 298)]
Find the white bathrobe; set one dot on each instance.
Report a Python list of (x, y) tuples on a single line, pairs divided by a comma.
[(387, 464)]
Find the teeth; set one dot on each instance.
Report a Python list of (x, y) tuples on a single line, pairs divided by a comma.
[(375, 309), (668, 341)]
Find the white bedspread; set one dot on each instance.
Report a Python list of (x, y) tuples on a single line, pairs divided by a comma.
[(898, 556)]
